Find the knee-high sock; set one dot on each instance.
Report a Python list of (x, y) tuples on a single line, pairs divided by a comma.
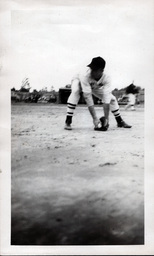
[(117, 115), (70, 111)]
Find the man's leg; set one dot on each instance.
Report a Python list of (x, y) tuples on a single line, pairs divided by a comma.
[(116, 112), (127, 106), (133, 107), (132, 102), (109, 98), (72, 102)]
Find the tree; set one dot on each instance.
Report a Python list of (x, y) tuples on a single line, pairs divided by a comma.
[(52, 88), (35, 91), (25, 87)]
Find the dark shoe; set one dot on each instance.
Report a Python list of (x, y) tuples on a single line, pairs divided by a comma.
[(124, 125), (67, 126)]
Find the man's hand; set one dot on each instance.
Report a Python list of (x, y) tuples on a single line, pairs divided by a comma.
[(97, 123), (92, 111), (105, 122), (104, 125), (106, 108)]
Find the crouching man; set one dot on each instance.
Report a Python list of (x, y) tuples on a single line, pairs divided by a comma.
[(93, 81)]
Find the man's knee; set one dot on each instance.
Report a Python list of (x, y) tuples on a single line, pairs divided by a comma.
[(76, 87), (113, 98), (114, 104)]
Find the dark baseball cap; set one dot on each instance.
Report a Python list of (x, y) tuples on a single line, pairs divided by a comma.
[(97, 63)]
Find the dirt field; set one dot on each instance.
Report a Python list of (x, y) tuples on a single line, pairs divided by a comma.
[(79, 187)]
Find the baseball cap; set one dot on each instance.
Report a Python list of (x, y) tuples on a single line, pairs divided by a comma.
[(97, 63)]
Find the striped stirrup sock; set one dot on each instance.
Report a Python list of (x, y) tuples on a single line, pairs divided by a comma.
[(117, 115), (70, 111)]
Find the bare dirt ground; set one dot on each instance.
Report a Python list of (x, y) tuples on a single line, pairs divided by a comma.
[(79, 187)]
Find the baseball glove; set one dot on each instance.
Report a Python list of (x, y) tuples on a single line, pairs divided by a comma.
[(102, 126)]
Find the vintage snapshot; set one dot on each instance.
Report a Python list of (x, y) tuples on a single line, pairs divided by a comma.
[(77, 81)]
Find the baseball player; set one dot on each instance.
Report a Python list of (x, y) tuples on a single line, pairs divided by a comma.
[(93, 81), (131, 91)]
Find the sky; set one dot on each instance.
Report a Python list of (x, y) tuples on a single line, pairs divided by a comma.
[(50, 42)]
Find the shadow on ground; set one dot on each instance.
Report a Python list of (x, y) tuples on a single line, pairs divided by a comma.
[(75, 225)]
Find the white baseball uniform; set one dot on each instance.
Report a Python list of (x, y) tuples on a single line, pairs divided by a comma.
[(101, 89)]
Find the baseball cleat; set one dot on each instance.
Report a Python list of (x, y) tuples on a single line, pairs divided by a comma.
[(67, 127), (124, 125)]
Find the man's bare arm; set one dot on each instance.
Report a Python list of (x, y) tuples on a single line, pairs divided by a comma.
[(92, 111), (106, 108)]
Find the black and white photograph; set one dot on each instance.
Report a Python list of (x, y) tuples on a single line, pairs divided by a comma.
[(76, 131)]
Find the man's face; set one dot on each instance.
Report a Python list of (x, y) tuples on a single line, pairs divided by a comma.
[(96, 74)]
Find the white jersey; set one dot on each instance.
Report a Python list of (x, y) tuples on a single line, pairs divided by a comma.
[(90, 86)]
